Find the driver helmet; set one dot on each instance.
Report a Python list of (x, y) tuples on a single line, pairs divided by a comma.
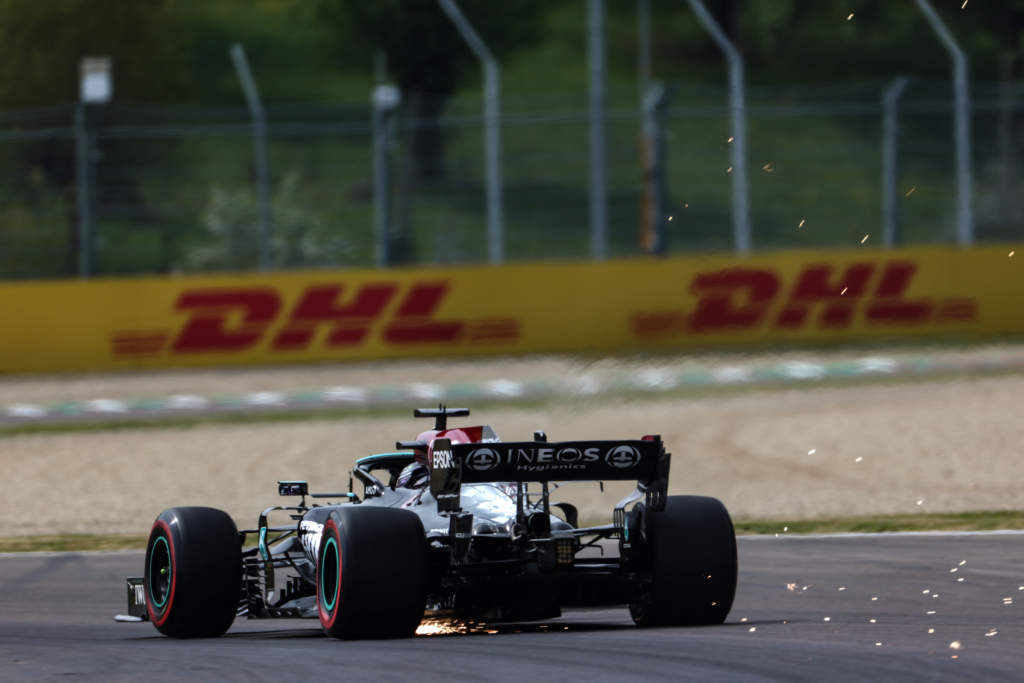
[(413, 476)]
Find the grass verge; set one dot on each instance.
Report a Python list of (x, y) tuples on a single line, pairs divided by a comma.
[(982, 520), (72, 542)]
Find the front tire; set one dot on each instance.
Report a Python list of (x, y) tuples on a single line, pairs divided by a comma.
[(193, 572), (692, 546), (371, 573)]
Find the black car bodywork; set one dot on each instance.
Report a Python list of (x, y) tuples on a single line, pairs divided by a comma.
[(494, 545)]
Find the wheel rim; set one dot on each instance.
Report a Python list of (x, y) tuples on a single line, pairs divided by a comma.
[(329, 575), (160, 572)]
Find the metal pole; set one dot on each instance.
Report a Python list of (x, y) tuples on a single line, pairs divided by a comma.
[(643, 40), (655, 237), (83, 192), (738, 111), (890, 160), (1004, 134), (385, 100), (259, 148), (381, 190), (598, 142), (961, 123), (492, 130)]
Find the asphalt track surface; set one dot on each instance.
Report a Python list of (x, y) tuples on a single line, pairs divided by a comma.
[(803, 612)]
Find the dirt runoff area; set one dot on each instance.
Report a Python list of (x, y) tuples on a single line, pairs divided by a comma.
[(937, 446)]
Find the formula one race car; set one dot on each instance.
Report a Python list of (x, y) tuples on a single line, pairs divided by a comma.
[(454, 524)]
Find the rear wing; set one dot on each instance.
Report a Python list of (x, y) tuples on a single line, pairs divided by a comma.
[(644, 461)]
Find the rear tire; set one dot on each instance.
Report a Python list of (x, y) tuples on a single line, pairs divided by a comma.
[(692, 548), (371, 573), (193, 572)]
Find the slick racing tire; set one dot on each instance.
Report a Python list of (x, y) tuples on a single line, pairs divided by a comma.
[(371, 573), (193, 572), (692, 550)]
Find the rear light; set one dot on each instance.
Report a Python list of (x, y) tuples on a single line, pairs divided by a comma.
[(565, 550)]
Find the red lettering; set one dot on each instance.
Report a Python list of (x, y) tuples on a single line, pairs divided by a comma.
[(206, 330), (493, 330), (655, 323), (890, 308), (349, 323), (718, 307), (413, 324), (840, 298), (957, 309), (138, 342)]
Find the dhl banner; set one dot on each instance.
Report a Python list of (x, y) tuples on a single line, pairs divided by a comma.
[(673, 303)]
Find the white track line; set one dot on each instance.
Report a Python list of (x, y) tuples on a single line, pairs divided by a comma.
[(26, 410), (876, 534), (54, 553)]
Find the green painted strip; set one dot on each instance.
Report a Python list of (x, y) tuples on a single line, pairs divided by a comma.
[(381, 456), (650, 381), (328, 544), (169, 569)]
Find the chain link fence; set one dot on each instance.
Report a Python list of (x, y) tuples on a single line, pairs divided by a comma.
[(172, 190)]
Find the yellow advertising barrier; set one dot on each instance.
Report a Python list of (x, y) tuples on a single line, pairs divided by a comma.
[(672, 303)]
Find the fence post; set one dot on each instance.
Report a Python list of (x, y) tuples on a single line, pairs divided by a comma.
[(385, 100), (643, 41), (891, 160), (83, 191), (1004, 134), (598, 141), (738, 111), (961, 123), (492, 130), (259, 148), (655, 237)]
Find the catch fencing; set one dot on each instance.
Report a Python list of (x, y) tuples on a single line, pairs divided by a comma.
[(173, 190)]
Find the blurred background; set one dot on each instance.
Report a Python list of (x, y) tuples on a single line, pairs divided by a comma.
[(284, 134), (166, 137)]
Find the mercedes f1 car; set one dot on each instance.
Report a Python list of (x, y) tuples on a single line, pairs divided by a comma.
[(475, 537)]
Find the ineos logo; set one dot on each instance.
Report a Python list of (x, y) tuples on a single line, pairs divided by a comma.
[(622, 457), (483, 460), (569, 455)]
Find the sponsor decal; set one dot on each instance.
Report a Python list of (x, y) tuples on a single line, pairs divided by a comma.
[(821, 296), (569, 455), (551, 459), (309, 536), (443, 459), (483, 460), (445, 476), (323, 316), (543, 459), (622, 457)]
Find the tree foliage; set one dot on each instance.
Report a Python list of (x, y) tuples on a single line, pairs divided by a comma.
[(425, 55), (424, 50), (814, 41), (166, 51), (163, 52)]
